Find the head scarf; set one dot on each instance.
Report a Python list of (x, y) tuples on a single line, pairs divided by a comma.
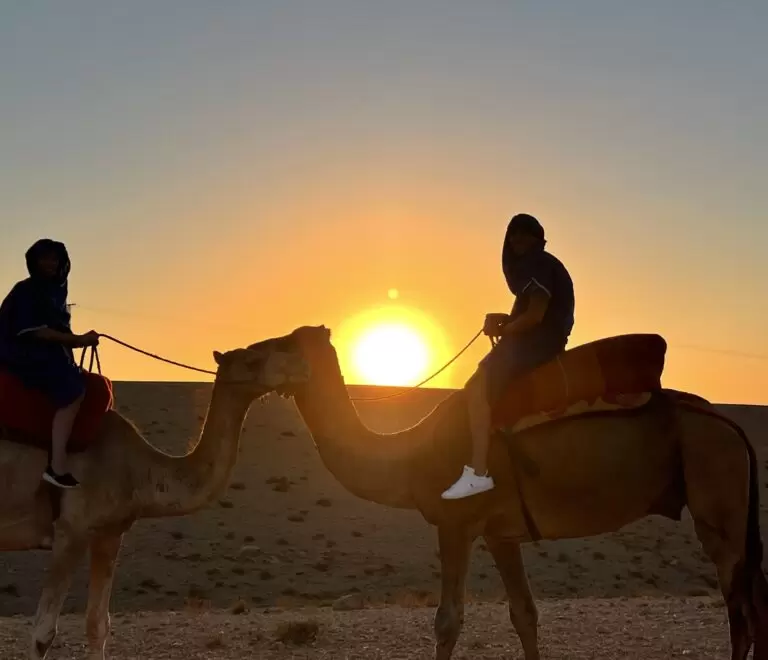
[(509, 260)]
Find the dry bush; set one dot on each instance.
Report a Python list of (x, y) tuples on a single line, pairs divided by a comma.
[(297, 633)]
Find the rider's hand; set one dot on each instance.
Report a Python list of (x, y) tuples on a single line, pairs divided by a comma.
[(90, 338), (494, 323)]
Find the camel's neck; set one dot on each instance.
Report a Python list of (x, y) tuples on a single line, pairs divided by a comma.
[(372, 466), (181, 485)]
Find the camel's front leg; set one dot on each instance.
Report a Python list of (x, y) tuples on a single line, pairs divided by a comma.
[(455, 545), (67, 551), (508, 557), (104, 550)]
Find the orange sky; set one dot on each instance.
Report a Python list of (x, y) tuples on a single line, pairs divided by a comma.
[(222, 176)]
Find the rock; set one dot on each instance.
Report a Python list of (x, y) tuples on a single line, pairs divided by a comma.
[(250, 551), (349, 602)]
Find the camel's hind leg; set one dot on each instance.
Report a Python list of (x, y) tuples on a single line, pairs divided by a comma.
[(104, 551), (716, 467), (732, 584), (67, 551), (455, 545), (508, 557)]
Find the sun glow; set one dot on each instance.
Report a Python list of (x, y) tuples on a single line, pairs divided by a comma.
[(391, 354), (392, 345)]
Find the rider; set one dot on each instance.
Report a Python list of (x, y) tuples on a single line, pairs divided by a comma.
[(36, 344), (534, 333)]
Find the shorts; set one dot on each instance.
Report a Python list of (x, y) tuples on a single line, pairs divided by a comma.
[(513, 356)]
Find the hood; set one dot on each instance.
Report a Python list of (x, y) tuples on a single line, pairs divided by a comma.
[(44, 245), (509, 260)]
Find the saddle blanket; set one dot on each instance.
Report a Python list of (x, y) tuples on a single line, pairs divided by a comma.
[(28, 414), (613, 373)]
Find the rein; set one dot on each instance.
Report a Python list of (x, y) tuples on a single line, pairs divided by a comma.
[(426, 380), (154, 356), (151, 355)]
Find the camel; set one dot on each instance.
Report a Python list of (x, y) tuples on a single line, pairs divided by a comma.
[(579, 476), (124, 478)]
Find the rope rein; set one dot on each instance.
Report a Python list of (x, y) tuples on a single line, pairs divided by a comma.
[(426, 380), (154, 356)]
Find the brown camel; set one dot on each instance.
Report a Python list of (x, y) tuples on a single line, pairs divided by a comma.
[(576, 477), (124, 478)]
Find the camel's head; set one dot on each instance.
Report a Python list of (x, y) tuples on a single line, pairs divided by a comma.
[(311, 343), (261, 368)]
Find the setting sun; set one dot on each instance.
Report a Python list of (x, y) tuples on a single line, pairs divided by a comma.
[(391, 354), (392, 345)]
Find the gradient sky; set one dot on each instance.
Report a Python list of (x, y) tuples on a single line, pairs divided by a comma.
[(224, 172)]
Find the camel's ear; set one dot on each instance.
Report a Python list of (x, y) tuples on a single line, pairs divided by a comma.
[(218, 357)]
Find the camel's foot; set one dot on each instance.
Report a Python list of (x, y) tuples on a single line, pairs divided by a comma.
[(41, 645), (97, 655)]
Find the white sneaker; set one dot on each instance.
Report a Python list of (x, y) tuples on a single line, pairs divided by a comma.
[(468, 484)]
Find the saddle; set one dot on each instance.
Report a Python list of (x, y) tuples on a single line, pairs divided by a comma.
[(29, 413), (614, 373)]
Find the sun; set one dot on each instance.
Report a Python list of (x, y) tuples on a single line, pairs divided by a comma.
[(391, 354), (392, 345)]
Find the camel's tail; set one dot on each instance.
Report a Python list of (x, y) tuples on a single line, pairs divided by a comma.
[(754, 582)]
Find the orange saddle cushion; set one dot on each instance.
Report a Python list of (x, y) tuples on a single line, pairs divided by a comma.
[(606, 368), (30, 413)]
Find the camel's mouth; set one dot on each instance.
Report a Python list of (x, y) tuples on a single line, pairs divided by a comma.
[(311, 348)]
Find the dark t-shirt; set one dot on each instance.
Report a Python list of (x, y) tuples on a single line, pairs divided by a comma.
[(541, 271)]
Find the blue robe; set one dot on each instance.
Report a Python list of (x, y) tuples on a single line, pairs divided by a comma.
[(34, 303)]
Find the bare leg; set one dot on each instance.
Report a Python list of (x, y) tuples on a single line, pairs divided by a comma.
[(67, 551), (63, 421), (104, 551), (479, 420), (454, 558), (475, 478), (522, 609)]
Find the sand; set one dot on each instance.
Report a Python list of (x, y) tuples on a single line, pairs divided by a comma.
[(581, 629), (286, 536)]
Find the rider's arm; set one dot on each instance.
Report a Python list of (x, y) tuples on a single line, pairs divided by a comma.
[(28, 318), (538, 302), (49, 334)]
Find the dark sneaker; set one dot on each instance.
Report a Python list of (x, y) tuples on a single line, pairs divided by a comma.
[(60, 480)]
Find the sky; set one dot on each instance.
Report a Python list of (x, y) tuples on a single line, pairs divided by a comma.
[(225, 172)]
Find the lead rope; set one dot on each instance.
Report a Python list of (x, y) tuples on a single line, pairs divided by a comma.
[(94, 358), (156, 357), (426, 380)]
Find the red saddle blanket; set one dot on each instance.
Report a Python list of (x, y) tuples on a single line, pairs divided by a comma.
[(625, 364), (30, 413)]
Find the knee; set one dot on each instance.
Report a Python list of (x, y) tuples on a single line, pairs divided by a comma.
[(525, 612)]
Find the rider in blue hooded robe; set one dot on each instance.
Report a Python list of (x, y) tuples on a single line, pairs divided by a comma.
[(36, 342)]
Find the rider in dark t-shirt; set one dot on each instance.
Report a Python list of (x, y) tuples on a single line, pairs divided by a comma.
[(536, 330)]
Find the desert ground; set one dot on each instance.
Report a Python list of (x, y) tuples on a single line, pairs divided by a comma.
[(257, 574)]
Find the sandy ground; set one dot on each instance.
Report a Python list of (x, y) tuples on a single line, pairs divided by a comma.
[(310, 542), (642, 629)]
